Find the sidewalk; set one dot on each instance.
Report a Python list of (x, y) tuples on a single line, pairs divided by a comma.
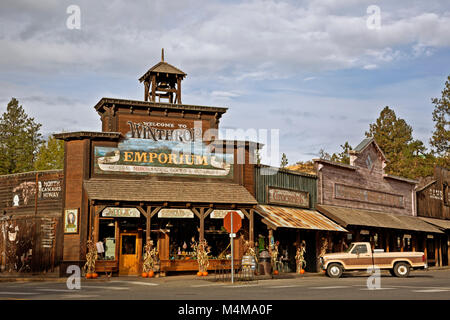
[(14, 277)]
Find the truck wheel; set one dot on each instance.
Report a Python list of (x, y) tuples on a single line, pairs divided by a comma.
[(334, 270), (401, 269)]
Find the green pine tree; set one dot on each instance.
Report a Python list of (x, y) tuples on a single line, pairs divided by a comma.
[(50, 155), (406, 157), (343, 157), (20, 139), (440, 141)]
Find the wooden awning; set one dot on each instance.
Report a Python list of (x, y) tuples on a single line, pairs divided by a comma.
[(366, 218), (167, 191), (287, 217)]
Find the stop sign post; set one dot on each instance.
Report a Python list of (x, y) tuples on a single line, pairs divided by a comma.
[(232, 223)]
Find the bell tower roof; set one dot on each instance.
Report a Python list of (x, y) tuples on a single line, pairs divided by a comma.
[(162, 67), (163, 80)]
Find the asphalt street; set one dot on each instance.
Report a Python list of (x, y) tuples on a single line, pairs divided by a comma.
[(423, 285)]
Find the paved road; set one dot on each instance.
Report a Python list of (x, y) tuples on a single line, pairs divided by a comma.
[(428, 285)]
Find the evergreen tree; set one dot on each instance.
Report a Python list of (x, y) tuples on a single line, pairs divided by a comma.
[(406, 157), (20, 139), (440, 141), (343, 157), (50, 155)]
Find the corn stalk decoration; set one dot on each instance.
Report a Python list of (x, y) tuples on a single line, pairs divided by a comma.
[(323, 249), (274, 255), (150, 257), (91, 257), (201, 254), (300, 256)]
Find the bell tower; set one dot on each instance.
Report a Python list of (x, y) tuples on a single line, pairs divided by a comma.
[(163, 81)]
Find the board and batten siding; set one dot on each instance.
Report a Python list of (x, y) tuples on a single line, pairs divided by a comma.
[(280, 178)]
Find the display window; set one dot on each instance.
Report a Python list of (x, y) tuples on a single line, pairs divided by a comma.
[(182, 234), (106, 239), (218, 239)]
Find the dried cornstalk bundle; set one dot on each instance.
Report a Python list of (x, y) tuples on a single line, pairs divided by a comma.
[(300, 256), (274, 255), (150, 257), (201, 255), (91, 257), (323, 249)]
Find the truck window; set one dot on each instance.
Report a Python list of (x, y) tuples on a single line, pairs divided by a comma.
[(360, 248)]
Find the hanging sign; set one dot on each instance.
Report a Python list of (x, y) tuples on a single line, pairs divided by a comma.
[(121, 212), (220, 214), (175, 213)]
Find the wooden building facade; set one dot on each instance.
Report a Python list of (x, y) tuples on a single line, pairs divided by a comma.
[(155, 174), (30, 221), (372, 205), (433, 206)]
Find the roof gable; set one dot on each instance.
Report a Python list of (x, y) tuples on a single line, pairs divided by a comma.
[(366, 143)]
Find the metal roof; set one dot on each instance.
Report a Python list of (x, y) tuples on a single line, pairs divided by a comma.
[(277, 216), (361, 217), (441, 223)]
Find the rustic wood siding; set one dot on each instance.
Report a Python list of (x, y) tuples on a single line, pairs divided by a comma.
[(284, 179), (371, 179), (434, 201)]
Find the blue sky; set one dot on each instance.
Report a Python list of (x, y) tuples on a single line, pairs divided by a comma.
[(311, 69)]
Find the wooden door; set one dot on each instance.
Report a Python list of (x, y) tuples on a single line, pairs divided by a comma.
[(129, 253)]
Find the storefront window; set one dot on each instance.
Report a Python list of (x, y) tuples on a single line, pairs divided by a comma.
[(407, 243), (217, 238), (107, 236), (182, 234)]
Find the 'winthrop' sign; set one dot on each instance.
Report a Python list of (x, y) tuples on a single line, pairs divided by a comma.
[(288, 197)]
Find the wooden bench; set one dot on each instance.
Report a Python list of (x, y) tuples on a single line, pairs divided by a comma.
[(107, 266)]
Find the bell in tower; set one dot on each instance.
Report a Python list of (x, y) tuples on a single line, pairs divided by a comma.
[(163, 81)]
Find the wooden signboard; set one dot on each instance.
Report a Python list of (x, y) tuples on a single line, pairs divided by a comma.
[(220, 214), (175, 213), (121, 212), (288, 197)]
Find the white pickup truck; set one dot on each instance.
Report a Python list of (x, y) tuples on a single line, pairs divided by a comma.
[(359, 256)]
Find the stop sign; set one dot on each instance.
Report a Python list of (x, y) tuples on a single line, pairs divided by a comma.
[(237, 222)]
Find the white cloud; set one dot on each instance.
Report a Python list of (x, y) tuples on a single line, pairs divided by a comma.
[(251, 39), (370, 67)]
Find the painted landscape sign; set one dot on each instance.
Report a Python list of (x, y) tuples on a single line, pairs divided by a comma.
[(162, 157)]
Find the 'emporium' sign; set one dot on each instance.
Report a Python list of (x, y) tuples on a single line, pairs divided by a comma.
[(288, 197), (145, 156)]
